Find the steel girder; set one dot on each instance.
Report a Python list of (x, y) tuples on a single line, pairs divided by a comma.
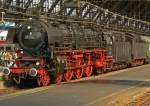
[(83, 11), (28, 4), (6, 3), (53, 6), (70, 11)]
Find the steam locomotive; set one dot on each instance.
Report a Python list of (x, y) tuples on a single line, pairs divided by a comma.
[(52, 52)]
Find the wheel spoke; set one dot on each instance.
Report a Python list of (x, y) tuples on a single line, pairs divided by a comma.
[(88, 71), (78, 73), (58, 79), (68, 75), (44, 79)]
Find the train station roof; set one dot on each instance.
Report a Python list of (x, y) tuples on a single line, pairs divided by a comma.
[(139, 9)]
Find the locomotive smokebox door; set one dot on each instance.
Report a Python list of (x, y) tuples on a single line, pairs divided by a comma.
[(32, 36)]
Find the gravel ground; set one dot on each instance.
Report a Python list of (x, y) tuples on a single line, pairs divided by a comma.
[(8, 91), (144, 100)]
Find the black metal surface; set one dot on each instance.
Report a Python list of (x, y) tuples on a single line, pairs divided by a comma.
[(32, 36)]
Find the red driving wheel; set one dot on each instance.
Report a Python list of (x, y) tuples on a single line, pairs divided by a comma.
[(59, 79), (78, 73), (43, 79), (68, 75), (88, 71)]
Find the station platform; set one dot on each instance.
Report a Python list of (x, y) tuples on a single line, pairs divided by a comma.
[(117, 88)]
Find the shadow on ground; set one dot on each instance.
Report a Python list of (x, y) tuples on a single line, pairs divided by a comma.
[(117, 82), (23, 85)]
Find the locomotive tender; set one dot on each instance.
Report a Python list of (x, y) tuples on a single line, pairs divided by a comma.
[(56, 51)]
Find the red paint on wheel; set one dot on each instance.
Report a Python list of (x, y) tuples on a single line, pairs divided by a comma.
[(88, 71), (78, 73), (59, 78), (68, 75)]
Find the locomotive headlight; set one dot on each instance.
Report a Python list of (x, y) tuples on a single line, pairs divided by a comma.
[(37, 63), (29, 27), (33, 72), (21, 52), (6, 71)]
